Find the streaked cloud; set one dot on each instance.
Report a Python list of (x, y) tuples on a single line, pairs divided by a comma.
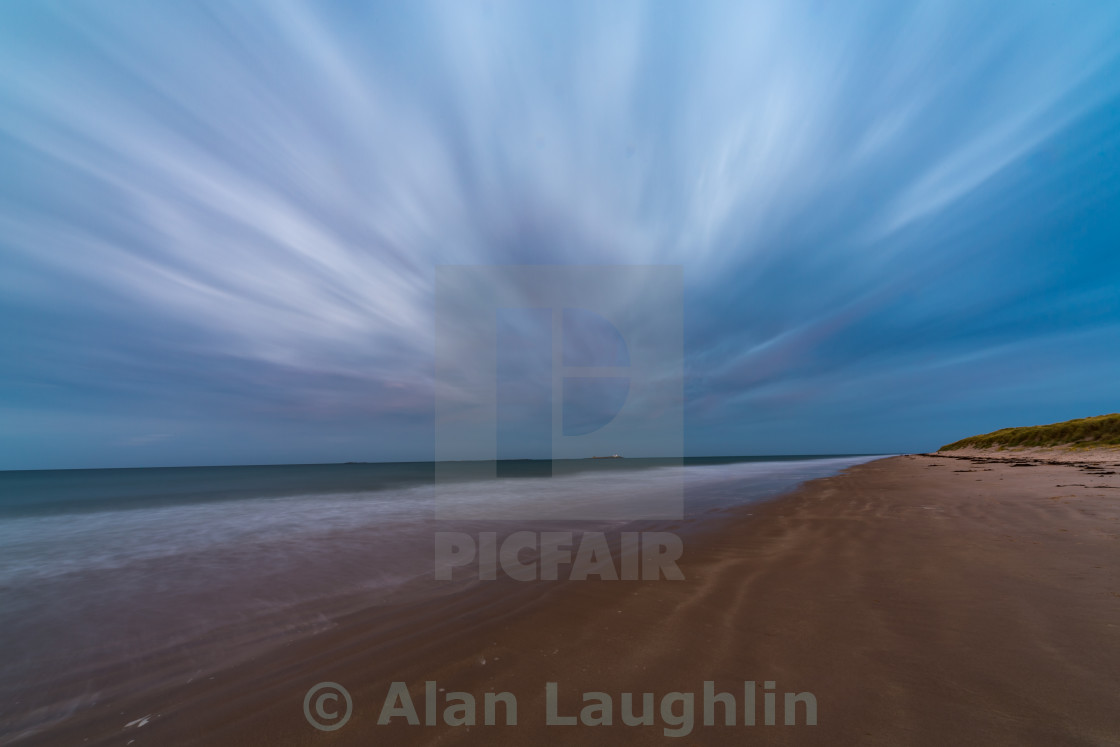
[(224, 218)]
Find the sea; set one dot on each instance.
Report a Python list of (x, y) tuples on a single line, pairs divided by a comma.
[(115, 578)]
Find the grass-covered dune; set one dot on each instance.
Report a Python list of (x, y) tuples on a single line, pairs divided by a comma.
[(1101, 430)]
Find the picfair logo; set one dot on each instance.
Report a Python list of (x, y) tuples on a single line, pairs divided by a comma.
[(558, 364)]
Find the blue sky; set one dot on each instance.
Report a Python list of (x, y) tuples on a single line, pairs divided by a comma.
[(220, 223)]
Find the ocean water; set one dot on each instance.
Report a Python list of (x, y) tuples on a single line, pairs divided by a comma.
[(104, 568)]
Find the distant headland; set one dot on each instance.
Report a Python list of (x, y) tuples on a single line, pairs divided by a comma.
[(1093, 439), (1101, 430)]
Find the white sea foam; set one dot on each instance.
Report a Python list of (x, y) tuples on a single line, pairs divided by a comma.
[(35, 548)]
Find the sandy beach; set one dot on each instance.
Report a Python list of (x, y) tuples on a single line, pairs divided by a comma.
[(920, 599)]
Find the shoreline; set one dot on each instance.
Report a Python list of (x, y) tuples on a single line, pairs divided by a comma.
[(918, 603)]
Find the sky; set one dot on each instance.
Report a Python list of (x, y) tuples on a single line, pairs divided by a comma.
[(221, 223)]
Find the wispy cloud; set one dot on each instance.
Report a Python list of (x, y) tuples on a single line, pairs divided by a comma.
[(232, 212)]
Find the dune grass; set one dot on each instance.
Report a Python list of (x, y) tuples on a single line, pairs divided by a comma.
[(1100, 430)]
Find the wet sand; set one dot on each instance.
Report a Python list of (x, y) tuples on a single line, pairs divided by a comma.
[(921, 600)]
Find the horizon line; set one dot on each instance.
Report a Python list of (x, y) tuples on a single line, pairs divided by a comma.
[(456, 461)]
